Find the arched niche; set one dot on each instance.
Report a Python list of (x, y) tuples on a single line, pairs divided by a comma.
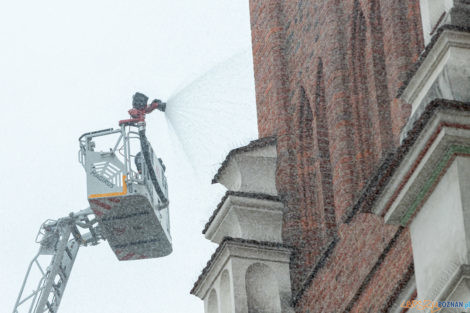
[(212, 303), (226, 296), (262, 289)]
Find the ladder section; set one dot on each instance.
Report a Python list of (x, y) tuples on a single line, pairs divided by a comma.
[(59, 244), (58, 274)]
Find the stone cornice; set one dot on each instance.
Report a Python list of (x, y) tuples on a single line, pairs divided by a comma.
[(432, 65), (229, 193), (253, 218), (445, 135), (414, 68), (255, 144), (379, 184)]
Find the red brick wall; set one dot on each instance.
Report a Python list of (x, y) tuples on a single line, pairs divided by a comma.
[(326, 76)]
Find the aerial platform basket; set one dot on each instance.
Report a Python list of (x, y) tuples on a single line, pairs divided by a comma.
[(127, 191)]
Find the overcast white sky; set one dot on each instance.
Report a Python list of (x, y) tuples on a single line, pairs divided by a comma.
[(68, 67)]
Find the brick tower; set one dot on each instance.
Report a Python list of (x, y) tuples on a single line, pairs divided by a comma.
[(326, 75), (368, 101)]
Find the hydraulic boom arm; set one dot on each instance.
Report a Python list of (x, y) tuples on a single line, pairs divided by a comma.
[(60, 239)]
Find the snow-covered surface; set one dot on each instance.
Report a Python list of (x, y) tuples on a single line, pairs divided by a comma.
[(71, 67)]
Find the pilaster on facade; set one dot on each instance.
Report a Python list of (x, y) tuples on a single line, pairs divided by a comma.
[(443, 71), (249, 272), (428, 191)]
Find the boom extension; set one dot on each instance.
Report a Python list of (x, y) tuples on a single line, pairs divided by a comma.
[(60, 239)]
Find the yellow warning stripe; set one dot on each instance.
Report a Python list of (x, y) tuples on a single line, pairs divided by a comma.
[(113, 194)]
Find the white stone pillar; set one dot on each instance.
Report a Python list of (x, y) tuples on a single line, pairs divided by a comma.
[(444, 73), (429, 192), (249, 272)]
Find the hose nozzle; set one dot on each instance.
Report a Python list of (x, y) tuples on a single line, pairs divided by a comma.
[(162, 106)]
